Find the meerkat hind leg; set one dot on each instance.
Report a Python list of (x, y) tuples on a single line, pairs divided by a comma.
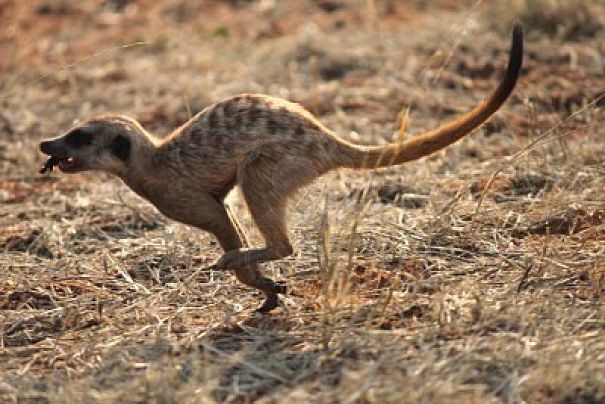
[(271, 223), (266, 200), (267, 204), (225, 228), (251, 275)]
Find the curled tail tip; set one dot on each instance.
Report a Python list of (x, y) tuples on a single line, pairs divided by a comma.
[(517, 45), (517, 29), (515, 60)]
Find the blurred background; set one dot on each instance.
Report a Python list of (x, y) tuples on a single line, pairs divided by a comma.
[(62, 60)]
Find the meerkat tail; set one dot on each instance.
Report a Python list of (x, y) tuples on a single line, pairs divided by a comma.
[(355, 156)]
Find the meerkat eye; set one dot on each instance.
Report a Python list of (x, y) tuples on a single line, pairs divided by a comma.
[(78, 138), (120, 147)]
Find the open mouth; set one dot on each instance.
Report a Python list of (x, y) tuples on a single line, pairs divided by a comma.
[(66, 164)]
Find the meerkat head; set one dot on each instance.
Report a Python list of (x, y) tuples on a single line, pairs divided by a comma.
[(105, 144)]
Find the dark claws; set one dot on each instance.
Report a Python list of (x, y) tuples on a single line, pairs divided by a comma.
[(272, 301), (280, 287)]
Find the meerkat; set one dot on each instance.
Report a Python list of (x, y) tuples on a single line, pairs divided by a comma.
[(267, 146)]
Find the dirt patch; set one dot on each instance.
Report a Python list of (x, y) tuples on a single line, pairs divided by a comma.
[(398, 195)]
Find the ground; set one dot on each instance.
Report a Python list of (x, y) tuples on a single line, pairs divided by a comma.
[(475, 275)]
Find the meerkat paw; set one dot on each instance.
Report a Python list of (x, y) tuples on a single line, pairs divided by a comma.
[(280, 287), (272, 300), (270, 303)]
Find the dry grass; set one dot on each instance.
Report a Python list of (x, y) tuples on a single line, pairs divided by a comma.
[(477, 275)]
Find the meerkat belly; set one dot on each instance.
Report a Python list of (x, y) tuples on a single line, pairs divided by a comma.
[(183, 204)]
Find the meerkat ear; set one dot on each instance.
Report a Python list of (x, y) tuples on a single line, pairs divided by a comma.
[(120, 147)]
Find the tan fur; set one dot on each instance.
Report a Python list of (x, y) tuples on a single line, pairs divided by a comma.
[(267, 146)]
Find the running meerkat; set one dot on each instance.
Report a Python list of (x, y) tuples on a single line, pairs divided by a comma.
[(267, 146)]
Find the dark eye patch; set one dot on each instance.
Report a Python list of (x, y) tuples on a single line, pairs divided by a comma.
[(120, 147), (78, 138)]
